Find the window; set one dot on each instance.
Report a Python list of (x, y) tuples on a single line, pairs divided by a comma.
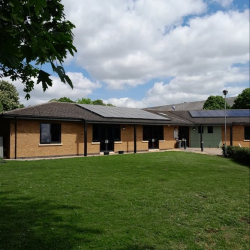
[(96, 133), (50, 133), (247, 133), (210, 129), (200, 129), (106, 132), (153, 132)]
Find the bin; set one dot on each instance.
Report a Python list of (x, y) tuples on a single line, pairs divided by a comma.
[(178, 143)]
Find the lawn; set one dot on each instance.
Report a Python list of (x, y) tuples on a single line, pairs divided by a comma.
[(154, 201)]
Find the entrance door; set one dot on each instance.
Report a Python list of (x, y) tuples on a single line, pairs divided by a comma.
[(107, 139), (184, 134), (153, 134)]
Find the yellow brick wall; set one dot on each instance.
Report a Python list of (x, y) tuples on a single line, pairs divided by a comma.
[(169, 140), (127, 140), (28, 139), (72, 139), (92, 147), (238, 136), (141, 145)]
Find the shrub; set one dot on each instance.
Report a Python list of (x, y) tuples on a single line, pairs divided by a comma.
[(239, 154)]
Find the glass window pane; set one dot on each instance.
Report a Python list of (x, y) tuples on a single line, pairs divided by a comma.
[(210, 129), (145, 133), (96, 136), (247, 133), (117, 133), (55, 131), (200, 129), (160, 137), (45, 133)]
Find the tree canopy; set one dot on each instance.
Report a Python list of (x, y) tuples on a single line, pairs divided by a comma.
[(34, 32), (82, 101), (9, 97), (215, 102), (62, 99), (243, 100)]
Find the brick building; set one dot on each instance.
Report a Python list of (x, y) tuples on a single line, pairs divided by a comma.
[(64, 129)]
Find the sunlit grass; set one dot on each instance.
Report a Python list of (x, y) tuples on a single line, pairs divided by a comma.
[(170, 200)]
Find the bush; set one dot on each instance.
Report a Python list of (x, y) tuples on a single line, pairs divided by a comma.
[(239, 154)]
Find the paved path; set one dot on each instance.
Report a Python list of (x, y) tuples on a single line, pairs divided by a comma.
[(209, 151)]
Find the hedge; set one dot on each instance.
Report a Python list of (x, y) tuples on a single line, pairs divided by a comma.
[(239, 154)]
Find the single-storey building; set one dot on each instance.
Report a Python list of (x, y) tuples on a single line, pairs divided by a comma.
[(66, 129)]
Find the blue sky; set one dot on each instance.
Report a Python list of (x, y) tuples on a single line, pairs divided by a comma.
[(147, 53)]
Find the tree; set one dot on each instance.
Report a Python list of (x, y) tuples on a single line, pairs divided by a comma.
[(243, 100), (9, 97), (99, 102), (84, 101), (62, 99), (34, 32), (215, 102)]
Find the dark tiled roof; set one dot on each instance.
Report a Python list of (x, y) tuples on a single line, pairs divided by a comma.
[(188, 106), (71, 111), (211, 121)]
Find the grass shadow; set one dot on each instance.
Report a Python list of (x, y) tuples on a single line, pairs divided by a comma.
[(29, 224)]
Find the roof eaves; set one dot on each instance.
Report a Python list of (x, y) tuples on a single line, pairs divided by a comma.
[(33, 117)]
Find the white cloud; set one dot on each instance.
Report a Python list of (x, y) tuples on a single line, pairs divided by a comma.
[(82, 88), (125, 43), (130, 42), (223, 3), (189, 88)]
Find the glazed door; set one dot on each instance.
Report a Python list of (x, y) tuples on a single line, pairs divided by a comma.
[(107, 140), (184, 134), (153, 134)]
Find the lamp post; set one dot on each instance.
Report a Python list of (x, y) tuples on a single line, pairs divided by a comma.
[(225, 145)]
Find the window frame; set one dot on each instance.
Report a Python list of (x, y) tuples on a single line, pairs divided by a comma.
[(247, 133), (200, 130), (156, 131), (210, 129), (99, 131), (54, 128)]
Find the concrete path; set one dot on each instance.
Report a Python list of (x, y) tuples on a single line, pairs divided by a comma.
[(208, 151)]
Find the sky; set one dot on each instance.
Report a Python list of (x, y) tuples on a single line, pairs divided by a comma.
[(145, 53)]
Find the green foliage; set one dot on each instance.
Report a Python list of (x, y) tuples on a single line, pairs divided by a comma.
[(62, 99), (243, 100), (34, 32), (1, 107), (98, 102), (239, 154), (9, 97), (215, 102), (84, 101)]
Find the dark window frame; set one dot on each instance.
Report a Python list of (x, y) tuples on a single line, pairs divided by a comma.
[(150, 130), (54, 133), (210, 129), (99, 131), (199, 130), (246, 132)]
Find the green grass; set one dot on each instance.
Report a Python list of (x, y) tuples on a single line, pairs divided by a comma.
[(167, 200)]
